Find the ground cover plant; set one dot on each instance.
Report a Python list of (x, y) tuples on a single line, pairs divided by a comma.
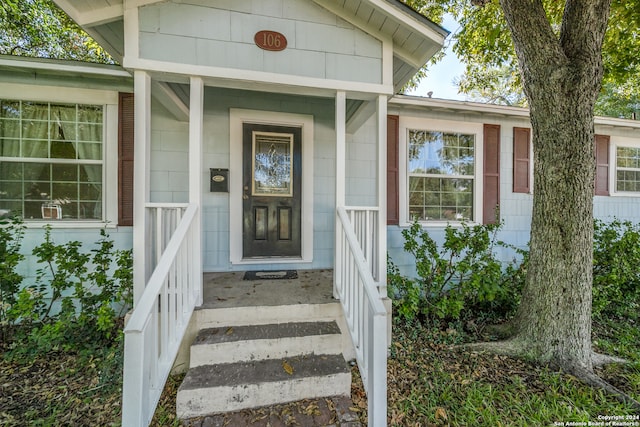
[(61, 348)]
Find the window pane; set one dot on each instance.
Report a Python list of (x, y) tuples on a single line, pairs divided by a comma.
[(62, 150), (90, 114), (90, 192), (37, 171), (90, 132), (10, 190), (90, 210), (63, 113), (64, 172), (9, 109), (91, 173), (63, 131), (9, 147), (89, 151), (35, 148)]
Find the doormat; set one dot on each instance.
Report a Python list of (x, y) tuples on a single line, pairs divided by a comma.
[(271, 275)]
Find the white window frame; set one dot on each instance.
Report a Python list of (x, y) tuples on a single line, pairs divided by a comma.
[(109, 101), (614, 143), (417, 123)]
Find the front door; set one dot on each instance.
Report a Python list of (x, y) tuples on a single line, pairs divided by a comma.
[(271, 191)]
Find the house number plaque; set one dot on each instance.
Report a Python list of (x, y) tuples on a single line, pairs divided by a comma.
[(270, 40)]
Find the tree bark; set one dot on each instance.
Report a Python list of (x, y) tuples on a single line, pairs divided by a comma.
[(562, 76)]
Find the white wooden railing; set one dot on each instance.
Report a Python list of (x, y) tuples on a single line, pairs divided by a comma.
[(155, 330), (362, 304), (162, 221), (364, 221)]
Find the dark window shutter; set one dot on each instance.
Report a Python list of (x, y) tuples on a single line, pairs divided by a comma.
[(602, 165), (491, 174), (393, 134), (521, 160), (125, 159)]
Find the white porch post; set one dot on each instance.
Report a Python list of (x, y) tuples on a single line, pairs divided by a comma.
[(381, 274), (341, 143), (196, 125), (141, 181)]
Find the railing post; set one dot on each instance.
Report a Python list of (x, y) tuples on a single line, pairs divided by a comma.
[(377, 399), (341, 145), (381, 273), (133, 380), (142, 155), (196, 126)]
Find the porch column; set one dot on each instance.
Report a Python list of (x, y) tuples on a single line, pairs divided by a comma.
[(196, 124), (341, 144), (141, 180), (381, 274)]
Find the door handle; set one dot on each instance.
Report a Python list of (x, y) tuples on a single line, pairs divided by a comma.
[(244, 193)]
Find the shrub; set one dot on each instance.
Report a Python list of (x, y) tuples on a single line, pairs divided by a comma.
[(11, 232), (76, 299), (464, 272), (616, 268)]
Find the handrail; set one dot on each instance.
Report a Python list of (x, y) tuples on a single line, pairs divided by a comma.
[(365, 315), (156, 328), (166, 205)]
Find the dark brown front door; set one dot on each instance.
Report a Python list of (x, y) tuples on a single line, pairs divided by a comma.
[(271, 191)]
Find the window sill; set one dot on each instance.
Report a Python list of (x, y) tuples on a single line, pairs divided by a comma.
[(34, 224), (438, 224)]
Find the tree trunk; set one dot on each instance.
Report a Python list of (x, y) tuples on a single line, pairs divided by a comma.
[(562, 77)]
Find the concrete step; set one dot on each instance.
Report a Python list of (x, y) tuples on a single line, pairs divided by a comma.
[(209, 317), (257, 342), (210, 389)]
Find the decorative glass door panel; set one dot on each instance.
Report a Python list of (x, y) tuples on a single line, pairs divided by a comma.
[(272, 164)]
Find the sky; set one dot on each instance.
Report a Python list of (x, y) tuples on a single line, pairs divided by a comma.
[(440, 77)]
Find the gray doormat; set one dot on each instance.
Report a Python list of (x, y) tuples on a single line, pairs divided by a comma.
[(271, 275)]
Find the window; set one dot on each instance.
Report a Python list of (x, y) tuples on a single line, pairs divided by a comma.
[(51, 160), (627, 169), (441, 168)]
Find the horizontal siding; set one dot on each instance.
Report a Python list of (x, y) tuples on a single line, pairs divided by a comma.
[(515, 208), (319, 45)]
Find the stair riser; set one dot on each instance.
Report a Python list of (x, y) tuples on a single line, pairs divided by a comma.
[(199, 402), (243, 351), (264, 315)]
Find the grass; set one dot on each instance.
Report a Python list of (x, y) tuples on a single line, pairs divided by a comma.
[(435, 382), (432, 381)]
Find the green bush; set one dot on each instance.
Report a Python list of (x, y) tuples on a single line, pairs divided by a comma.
[(461, 274), (77, 297), (465, 275), (616, 268), (11, 232)]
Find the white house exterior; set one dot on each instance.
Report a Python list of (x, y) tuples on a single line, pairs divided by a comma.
[(255, 109), (502, 173)]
